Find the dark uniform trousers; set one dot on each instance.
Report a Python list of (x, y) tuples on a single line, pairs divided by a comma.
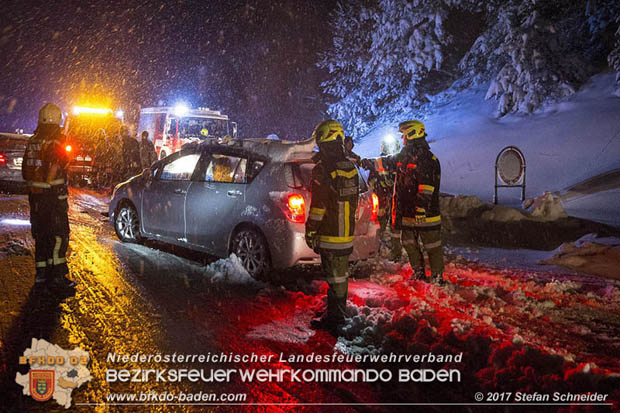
[(50, 229), (414, 239)]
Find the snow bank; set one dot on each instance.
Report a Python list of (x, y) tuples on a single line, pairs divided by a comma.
[(589, 254), (459, 206), (229, 271), (545, 207)]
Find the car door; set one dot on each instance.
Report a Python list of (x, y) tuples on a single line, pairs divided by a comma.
[(214, 200), (163, 199)]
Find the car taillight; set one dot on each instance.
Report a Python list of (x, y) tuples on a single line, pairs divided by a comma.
[(374, 216), (295, 208), (2, 158)]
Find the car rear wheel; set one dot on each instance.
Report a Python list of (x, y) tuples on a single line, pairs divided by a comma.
[(127, 224), (251, 248)]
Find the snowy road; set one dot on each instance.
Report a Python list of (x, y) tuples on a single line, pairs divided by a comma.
[(517, 327)]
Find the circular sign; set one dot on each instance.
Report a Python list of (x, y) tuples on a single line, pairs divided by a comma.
[(510, 165)]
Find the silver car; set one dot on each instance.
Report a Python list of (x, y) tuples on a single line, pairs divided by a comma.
[(247, 197)]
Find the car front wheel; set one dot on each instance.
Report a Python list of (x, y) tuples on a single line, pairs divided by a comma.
[(251, 248), (127, 224)]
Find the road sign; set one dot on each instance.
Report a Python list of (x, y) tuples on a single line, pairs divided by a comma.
[(510, 170)]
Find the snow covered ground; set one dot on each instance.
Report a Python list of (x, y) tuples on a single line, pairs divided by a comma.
[(564, 144), (519, 325)]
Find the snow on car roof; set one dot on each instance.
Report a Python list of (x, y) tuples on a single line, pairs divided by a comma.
[(280, 150), (14, 135)]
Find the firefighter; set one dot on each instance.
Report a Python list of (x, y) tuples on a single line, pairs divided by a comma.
[(331, 223), (348, 150), (382, 184), (44, 169), (415, 205), (148, 155), (130, 153)]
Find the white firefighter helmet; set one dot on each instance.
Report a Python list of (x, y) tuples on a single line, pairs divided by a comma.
[(50, 114)]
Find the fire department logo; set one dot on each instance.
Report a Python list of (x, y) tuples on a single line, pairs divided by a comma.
[(41, 384), (54, 372)]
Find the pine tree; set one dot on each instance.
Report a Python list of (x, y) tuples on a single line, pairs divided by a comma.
[(540, 67), (389, 56)]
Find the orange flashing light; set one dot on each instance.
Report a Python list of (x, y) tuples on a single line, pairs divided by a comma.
[(83, 110)]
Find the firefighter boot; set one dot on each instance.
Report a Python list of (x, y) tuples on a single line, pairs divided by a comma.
[(333, 318), (40, 280), (62, 286), (432, 245), (418, 274), (336, 269), (396, 247)]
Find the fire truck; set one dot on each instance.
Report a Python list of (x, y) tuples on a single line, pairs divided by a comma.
[(171, 127), (85, 128)]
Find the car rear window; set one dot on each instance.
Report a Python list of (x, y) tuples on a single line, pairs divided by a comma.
[(301, 174)]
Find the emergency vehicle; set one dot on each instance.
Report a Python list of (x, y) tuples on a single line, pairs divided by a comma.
[(85, 128), (171, 127)]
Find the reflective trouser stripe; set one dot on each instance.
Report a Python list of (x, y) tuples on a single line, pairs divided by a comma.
[(63, 196), (408, 242), (55, 256), (41, 264), (59, 181), (316, 217), (335, 246), (337, 280), (337, 240), (40, 184), (432, 245)]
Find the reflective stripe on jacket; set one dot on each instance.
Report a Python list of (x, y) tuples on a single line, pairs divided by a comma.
[(335, 190), (416, 190)]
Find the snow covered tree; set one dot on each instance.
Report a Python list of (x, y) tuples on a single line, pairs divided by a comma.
[(388, 69), (539, 66), (348, 56), (530, 51), (604, 24)]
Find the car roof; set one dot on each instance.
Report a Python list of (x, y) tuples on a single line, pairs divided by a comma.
[(273, 150)]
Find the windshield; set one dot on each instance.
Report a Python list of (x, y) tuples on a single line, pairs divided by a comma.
[(202, 127)]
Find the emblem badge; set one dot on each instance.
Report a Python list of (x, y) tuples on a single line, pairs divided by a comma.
[(41, 384)]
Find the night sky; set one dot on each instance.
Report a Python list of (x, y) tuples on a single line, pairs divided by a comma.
[(254, 60)]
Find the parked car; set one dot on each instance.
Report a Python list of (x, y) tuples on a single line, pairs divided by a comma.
[(12, 148), (251, 199)]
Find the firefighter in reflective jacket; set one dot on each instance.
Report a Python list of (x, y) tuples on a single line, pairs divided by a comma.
[(331, 223), (44, 170), (415, 203), (382, 184)]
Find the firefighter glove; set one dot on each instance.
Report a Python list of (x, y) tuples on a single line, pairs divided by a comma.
[(312, 240)]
